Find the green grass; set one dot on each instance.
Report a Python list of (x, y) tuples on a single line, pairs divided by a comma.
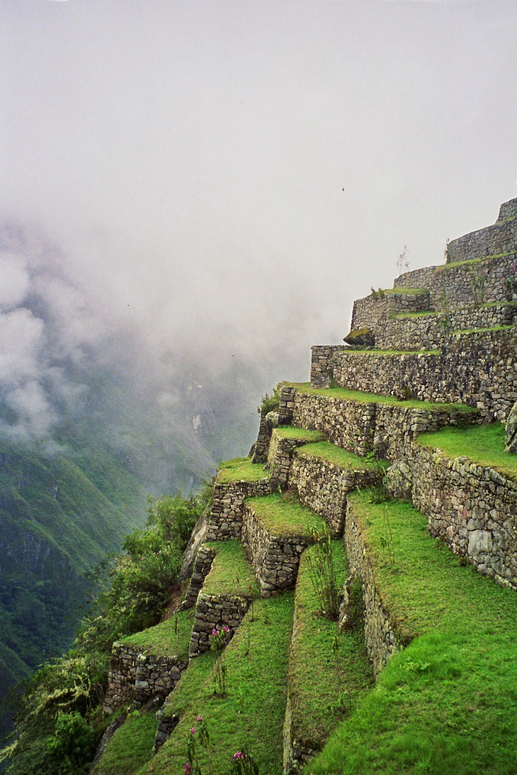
[(406, 291), (448, 703), (241, 469), (290, 432), (190, 684), (472, 261), (478, 330), (329, 671), (404, 315), (169, 638), (372, 398), (392, 352), (130, 747), (483, 444), (282, 515), (231, 572), (252, 712), (347, 460)]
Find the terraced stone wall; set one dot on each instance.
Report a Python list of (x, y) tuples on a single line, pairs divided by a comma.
[(136, 677), (275, 559), (499, 238), (323, 487), (477, 368), (430, 331), (215, 612), (225, 520), (373, 310), (281, 452), (202, 564), (465, 285), (379, 630), (322, 358), (472, 508)]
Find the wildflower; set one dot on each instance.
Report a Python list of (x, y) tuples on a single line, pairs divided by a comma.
[(226, 628), (193, 730), (187, 768), (200, 719), (214, 631), (238, 755)]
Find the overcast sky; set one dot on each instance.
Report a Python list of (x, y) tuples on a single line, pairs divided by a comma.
[(228, 176)]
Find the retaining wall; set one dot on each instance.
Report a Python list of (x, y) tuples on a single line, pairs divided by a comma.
[(215, 612), (225, 520), (372, 310)]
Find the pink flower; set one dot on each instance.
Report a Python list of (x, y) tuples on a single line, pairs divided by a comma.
[(226, 628), (238, 755), (200, 719), (193, 730), (214, 631), (187, 768)]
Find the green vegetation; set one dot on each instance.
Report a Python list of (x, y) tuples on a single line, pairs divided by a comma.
[(329, 671), (407, 291), (283, 515), (372, 398), (231, 572), (482, 444), (169, 638), (270, 403), (480, 330), (447, 703), (252, 712), (241, 469), (392, 352), (290, 432), (66, 693), (130, 747), (346, 460), (471, 261)]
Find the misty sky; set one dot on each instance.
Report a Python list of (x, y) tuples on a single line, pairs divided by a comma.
[(225, 177)]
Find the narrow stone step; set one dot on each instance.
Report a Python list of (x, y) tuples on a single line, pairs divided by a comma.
[(236, 480), (323, 475), (226, 595), (276, 531), (284, 441)]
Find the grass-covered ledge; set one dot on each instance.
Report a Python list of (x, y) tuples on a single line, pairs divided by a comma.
[(299, 434), (231, 572), (329, 671), (340, 457), (482, 444), (283, 516), (447, 703), (241, 469), (169, 638)]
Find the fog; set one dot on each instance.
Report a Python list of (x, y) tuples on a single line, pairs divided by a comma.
[(194, 192)]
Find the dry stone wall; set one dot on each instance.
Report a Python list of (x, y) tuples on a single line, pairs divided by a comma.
[(135, 677), (227, 507), (380, 632), (472, 508), (281, 453), (323, 487), (202, 564), (373, 310), (214, 612), (477, 368), (275, 559)]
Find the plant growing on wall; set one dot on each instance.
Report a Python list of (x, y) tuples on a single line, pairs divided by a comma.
[(321, 573)]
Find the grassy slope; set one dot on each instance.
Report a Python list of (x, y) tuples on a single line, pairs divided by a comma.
[(169, 638), (328, 671), (241, 469), (448, 703), (252, 712), (231, 572)]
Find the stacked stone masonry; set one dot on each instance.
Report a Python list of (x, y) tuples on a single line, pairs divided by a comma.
[(476, 368), (472, 508), (228, 507), (380, 632), (280, 457), (214, 612), (202, 564), (324, 486), (135, 677), (371, 311), (275, 559)]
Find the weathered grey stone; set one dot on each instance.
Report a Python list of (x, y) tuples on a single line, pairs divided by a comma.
[(398, 480), (511, 430), (360, 337)]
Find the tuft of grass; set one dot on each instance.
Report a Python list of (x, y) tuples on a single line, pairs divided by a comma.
[(346, 460), (483, 444), (283, 515), (453, 688), (329, 671), (231, 572), (169, 638), (290, 432), (130, 747), (241, 469), (373, 398), (252, 712)]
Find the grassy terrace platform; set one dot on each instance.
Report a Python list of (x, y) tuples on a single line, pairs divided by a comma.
[(340, 457), (131, 746), (241, 469), (167, 639), (448, 702), (329, 672), (252, 711), (373, 398), (482, 444), (422, 353), (231, 572), (402, 290), (284, 516), (299, 434), (482, 330)]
